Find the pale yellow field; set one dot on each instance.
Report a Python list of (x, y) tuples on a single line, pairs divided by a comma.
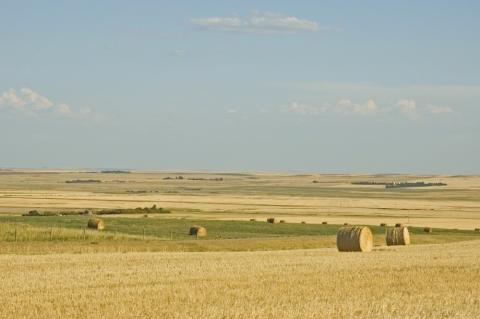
[(439, 281), (242, 196)]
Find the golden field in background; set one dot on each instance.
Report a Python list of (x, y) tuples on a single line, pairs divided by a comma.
[(241, 196)]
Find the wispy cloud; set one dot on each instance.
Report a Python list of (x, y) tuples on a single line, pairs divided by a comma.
[(259, 22), (29, 102), (346, 106), (406, 108)]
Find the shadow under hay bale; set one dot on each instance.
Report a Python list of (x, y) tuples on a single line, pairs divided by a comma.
[(198, 231), (398, 236), (96, 223), (355, 238), (271, 220), (428, 230)]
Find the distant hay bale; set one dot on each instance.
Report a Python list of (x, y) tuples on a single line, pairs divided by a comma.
[(145, 216), (477, 229), (304, 222), (271, 220), (346, 224), (383, 225), (355, 238), (282, 221), (398, 225), (428, 230), (96, 223), (324, 223), (198, 231), (398, 236), (253, 220)]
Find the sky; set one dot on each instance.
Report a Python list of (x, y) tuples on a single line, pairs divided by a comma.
[(294, 86)]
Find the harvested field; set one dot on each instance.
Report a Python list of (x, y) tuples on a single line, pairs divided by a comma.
[(282, 284)]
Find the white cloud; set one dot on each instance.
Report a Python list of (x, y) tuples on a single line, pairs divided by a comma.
[(434, 109), (346, 106), (258, 22), (304, 109), (408, 108), (33, 103)]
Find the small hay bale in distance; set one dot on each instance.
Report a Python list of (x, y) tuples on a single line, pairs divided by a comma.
[(271, 220), (282, 221), (324, 223), (355, 238), (198, 231), (398, 225), (303, 222), (253, 220), (428, 230), (398, 236), (383, 225), (477, 230), (346, 224), (96, 223)]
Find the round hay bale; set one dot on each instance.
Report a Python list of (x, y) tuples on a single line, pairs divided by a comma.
[(304, 222), (346, 224), (253, 220), (198, 231), (324, 223), (282, 221), (398, 225), (96, 223), (355, 238), (398, 236), (477, 229), (428, 230), (383, 225), (271, 220)]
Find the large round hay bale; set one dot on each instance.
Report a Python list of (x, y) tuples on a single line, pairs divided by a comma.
[(398, 236), (198, 231), (96, 223), (271, 220), (355, 238)]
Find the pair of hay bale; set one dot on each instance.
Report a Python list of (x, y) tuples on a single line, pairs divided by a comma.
[(198, 231), (355, 238), (96, 223), (398, 236)]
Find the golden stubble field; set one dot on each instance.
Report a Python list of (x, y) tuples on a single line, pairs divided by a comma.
[(428, 281), (293, 197)]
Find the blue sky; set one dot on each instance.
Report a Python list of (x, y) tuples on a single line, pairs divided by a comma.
[(321, 86)]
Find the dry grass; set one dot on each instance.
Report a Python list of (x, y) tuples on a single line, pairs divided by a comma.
[(429, 281), (290, 197)]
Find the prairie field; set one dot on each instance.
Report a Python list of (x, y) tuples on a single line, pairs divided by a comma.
[(422, 281), (146, 265)]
